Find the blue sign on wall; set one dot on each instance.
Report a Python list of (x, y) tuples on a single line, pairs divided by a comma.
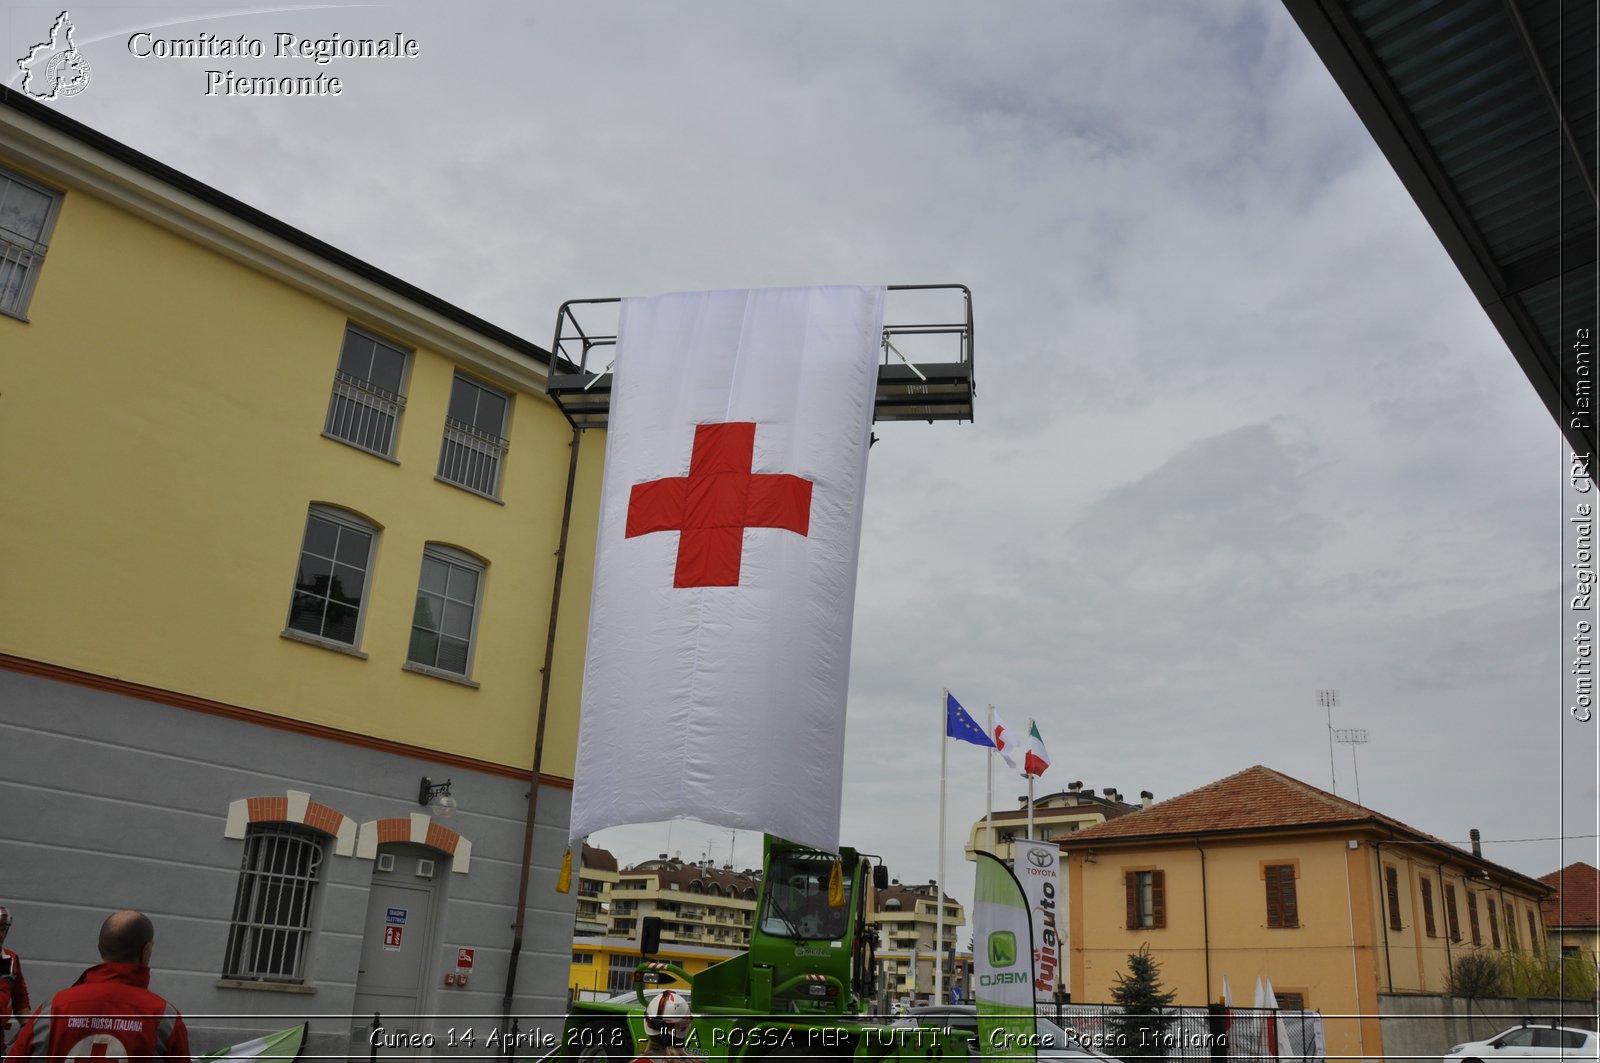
[(396, 917)]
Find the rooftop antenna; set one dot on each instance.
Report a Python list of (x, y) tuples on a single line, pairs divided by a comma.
[(1352, 737), (1328, 699)]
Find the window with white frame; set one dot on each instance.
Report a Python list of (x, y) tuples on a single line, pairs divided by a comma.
[(474, 437), (330, 585), (447, 610), (368, 392), (274, 908), (27, 213)]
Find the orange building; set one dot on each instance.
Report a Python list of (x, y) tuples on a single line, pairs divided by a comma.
[(1572, 913), (1261, 875)]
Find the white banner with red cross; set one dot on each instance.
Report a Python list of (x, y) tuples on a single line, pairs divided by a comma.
[(725, 568)]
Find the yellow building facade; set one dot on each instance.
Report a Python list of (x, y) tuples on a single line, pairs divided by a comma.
[(1262, 876), (604, 966), (282, 543)]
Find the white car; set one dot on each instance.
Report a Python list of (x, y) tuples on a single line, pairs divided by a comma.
[(1529, 1041)]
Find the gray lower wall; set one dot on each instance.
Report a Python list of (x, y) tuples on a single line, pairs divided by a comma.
[(113, 802), (1426, 1026)]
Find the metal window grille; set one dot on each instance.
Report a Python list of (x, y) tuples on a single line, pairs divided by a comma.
[(362, 414), (273, 908), (26, 216), (16, 261), (470, 458)]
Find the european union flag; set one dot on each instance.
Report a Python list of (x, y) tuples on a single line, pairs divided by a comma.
[(958, 724)]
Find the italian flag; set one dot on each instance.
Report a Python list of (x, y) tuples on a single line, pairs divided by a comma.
[(281, 1047), (1037, 758)]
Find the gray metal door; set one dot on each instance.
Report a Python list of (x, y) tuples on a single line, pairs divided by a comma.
[(395, 946)]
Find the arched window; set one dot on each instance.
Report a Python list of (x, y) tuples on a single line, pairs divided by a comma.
[(330, 586), (274, 906), (445, 620)]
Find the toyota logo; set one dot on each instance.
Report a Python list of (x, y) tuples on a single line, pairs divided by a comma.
[(1040, 857)]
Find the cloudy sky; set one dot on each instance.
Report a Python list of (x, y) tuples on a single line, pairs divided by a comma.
[(1242, 432)]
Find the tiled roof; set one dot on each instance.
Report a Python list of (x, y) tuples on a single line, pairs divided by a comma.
[(598, 859), (728, 883), (1576, 902), (908, 896), (1257, 798), (1090, 806)]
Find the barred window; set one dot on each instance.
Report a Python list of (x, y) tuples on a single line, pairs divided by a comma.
[(27, 213), (368, 393), (474, 437), (274, 907)]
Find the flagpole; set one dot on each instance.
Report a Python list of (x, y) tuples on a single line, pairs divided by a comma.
[(988, 785), (1030, 805), (938, 899)]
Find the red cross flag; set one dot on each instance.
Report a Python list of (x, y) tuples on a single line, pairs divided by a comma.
[(725, 567)]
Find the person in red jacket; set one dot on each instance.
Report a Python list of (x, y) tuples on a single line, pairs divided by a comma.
[(13, 987), (109, 1010)]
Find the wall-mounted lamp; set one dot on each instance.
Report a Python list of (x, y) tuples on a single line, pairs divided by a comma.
[(438, 795), (1090, 857)]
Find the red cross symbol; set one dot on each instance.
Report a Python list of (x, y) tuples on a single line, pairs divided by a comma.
[(97, 1046), (712, 506)]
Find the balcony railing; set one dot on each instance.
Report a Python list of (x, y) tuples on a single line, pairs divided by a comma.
[(362, 415), (15, 262), (471, 459)]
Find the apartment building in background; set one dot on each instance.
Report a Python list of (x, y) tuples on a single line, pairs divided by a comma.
[(1054, 817)]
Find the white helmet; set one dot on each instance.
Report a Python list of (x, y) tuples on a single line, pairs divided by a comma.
[(667, 1015)]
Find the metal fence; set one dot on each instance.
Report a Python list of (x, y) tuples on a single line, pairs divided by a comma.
[(1216, 1032)]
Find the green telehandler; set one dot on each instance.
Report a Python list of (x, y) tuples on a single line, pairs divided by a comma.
[(802, 990)]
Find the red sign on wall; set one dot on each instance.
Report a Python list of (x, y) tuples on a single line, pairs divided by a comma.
[(391, 936), (463, 959)]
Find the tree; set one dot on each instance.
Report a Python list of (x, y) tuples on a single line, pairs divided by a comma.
[(1474, 975), (1139, 1030)]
